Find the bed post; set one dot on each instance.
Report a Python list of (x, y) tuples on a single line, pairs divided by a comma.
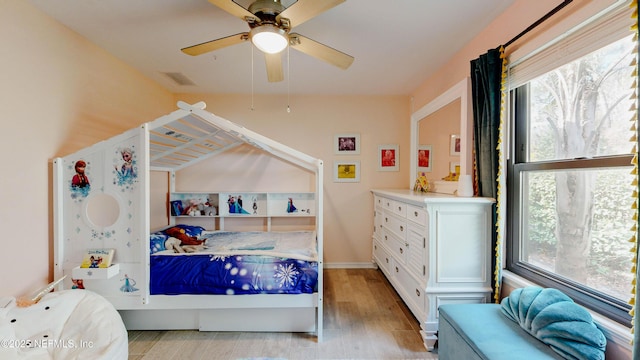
[(172, 189), (319, 233), (143, 198), (58, 215)]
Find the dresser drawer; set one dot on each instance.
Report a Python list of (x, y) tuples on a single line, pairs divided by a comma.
[(417, 214), (398, 248), (395, 207), (395, 225), (378, 201), (386, 238), (382, 258), (412, 291), (378, 216)]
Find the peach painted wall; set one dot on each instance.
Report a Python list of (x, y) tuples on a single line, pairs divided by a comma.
[(58, 93), (510, 23), (310, 127)]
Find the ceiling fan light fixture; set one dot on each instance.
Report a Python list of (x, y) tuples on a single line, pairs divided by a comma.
[(269, 38)]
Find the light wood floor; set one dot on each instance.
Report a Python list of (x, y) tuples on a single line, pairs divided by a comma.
[(364, 318)]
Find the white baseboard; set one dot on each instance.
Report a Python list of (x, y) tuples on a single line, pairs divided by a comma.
[(365, 265)]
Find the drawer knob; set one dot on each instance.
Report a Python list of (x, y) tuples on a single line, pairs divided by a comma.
[(401, 251), (399, 208), (385, 237), (397, 269), (417, 292), (406, 244), (401, 228), (387, 259), (386, 220), (415, 213)]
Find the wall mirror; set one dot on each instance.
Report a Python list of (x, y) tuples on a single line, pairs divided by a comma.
[(102, 210), (424, 127)]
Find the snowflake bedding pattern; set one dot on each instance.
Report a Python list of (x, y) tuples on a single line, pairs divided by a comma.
[(232, 275), (291, 269)]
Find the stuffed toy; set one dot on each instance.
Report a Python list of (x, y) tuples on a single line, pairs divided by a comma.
[(208, 209), (194, 208), (176, 245), (181, 235), (422, 184)]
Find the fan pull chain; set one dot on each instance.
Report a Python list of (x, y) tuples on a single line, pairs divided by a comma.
[(288, 80), (252, 77)]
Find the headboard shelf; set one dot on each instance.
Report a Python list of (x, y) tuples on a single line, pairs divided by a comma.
[(241, 203)]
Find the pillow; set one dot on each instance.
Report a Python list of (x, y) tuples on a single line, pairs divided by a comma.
[(190, 230), (156, 242), (553, 318)]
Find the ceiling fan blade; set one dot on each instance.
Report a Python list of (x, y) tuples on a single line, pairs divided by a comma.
[(233, 9), (304, 10), (320, 51), (274, 67), (212, 45)]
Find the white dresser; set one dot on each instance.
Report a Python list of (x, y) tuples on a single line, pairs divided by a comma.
[(434, 249)]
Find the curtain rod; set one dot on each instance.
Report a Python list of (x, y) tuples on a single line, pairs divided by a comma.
[(540, 21)]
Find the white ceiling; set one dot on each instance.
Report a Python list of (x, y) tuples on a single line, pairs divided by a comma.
[(397, 44)]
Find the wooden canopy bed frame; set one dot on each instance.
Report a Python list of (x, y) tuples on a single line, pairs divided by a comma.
[(102, 199)]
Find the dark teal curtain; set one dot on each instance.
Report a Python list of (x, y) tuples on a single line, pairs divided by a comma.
[(486, 84)]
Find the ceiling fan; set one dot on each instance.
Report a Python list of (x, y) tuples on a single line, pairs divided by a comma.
[(270, 24)]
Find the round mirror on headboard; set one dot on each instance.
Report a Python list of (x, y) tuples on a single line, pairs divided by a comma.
[(453, 102), (102, 210)]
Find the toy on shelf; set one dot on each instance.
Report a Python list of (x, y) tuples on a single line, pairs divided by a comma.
[(451, 177), (209, 209), (194, 208), (422, 184)]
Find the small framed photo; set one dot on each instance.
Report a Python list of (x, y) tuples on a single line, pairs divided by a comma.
[(346, 144), (388, 158), (346, 171), (454, 167), (455, 145), (424, 158)]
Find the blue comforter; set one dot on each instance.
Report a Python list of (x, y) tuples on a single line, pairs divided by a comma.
[(231, 275)]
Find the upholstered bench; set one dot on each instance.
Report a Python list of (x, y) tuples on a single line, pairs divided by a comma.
[(481, 331), (531, 323)]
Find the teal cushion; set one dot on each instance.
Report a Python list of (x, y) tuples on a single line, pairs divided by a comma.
[(488, 334), (553, 317)]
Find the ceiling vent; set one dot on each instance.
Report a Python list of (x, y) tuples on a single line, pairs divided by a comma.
[(179, 78)]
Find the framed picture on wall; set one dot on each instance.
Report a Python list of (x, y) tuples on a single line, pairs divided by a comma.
[(346, 144), (388, 158), (346, 171), (455, 145), (424, 158)]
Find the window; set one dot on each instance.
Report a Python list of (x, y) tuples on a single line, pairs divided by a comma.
[(570, 178)]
